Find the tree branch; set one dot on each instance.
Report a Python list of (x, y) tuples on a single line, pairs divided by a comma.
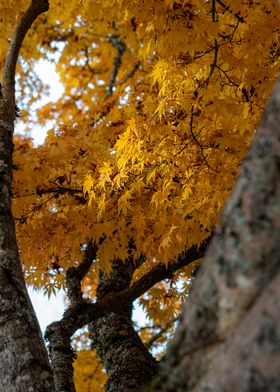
[(111, 102), (77, 317), (213, 11), (131, 73), (75, 275), (120, 46), (81, 313), (61, 352), (59, 190), (227, 8), (36, 8), (161, 272)]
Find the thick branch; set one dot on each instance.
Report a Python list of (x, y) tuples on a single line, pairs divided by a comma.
[(60, 349), (126, 359), (75, 275), (77, 317), (161, 272), (36, 8), (81, 313)]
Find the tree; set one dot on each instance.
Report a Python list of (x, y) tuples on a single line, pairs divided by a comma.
[(121, 200)]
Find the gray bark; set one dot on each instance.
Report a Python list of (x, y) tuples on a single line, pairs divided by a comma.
[(59, 333), (128, 363), (228, 338), (24, 364)]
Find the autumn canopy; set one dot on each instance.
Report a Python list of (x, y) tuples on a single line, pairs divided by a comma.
[(161, 100)]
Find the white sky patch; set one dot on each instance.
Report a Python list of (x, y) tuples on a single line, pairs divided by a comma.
[(47, 72), (138, 315), (47, 309)]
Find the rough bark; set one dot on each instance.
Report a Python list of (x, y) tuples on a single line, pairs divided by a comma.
[(59, 337), (23, 356), (128, 363), (228, 338)]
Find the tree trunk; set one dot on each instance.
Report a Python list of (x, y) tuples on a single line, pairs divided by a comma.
[(228, 338), (23, 356), (128, 363)]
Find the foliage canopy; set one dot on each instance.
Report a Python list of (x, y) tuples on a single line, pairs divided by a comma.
[(161, 100)]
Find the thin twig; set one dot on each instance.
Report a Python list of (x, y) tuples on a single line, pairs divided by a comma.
[(161, 332), (226, 75), (214, 64), (227, 8), (198, 143)]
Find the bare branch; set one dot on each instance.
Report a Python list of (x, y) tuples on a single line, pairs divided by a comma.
[(226, 75), (213, 11), (111, 102), (212, 68), (120, 46), (131, 73), (198, 143)]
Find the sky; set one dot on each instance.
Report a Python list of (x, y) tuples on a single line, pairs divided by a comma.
[(51, 309)]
